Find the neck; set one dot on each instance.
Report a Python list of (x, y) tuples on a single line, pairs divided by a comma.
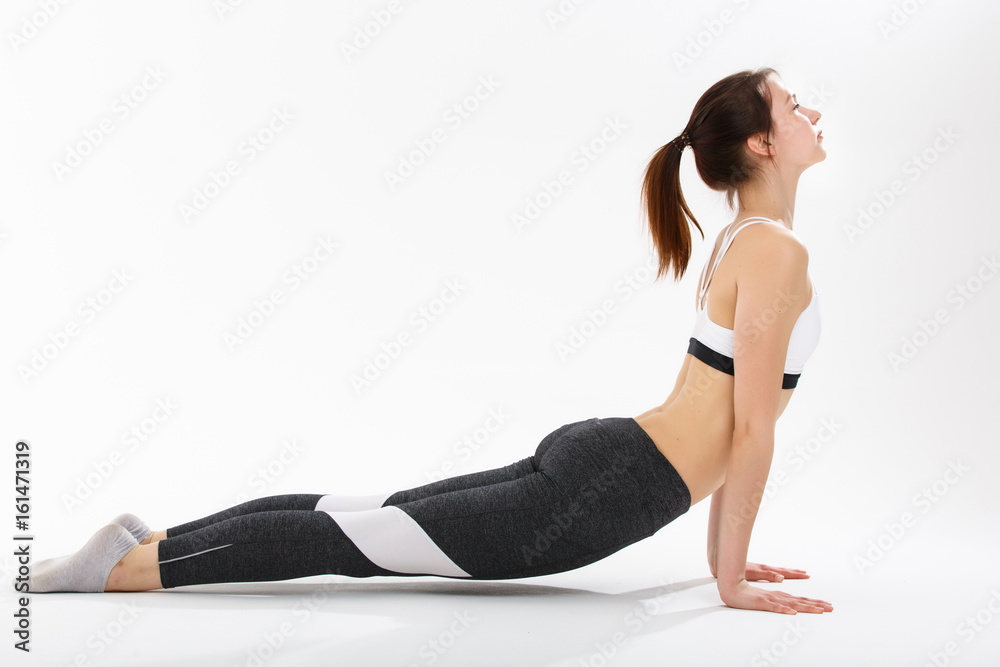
[(771, 197)]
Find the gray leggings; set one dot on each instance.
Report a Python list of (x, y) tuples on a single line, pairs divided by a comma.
[(591, 488)]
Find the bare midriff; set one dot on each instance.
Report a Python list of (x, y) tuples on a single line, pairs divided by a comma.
[(695, 430)]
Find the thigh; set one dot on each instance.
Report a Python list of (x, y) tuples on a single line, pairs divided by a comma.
[(471, 480), (507, 473), (578, 507)]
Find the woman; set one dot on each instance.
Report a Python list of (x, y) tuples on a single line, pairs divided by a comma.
[(592, 487)]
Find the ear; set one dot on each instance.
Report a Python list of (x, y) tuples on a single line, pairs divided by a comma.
[(757, 144)]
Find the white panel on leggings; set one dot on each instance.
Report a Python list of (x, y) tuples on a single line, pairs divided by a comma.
[(331, 503), (390, 538)]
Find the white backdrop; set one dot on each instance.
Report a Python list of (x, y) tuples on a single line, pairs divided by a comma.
[(218, 216)]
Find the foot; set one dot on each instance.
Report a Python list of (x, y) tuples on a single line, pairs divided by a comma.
[(140, 531), (155, 537), (87, 570)]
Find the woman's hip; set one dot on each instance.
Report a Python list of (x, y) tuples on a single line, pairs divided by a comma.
[(611, 466)]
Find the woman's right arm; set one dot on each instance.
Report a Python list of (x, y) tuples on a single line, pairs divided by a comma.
[(713, 529), (771, 287)]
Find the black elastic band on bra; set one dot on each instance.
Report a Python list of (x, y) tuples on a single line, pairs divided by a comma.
[(721, 362), (716, 360)]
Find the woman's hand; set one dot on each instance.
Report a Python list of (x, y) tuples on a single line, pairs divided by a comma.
[(759, 572), (745, 596)]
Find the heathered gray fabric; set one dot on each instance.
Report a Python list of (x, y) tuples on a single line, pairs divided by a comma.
[(591, 488)]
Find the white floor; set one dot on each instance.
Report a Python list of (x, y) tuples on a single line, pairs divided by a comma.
[(651, 604)]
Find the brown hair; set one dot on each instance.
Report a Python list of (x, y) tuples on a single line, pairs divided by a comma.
[(728, 113)]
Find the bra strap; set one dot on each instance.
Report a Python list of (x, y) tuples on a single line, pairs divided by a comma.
[(727, 240)]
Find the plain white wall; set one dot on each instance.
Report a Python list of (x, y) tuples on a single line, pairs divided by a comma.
[(887, 97)]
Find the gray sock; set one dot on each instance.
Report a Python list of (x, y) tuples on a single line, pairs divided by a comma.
[(87, 570), (140, 531)]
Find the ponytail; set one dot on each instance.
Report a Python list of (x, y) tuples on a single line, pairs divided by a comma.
[(731, 111), (666, 209)]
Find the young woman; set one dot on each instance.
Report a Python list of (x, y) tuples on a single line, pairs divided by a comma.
[(594, 486)]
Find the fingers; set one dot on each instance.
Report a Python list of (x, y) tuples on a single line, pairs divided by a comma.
[(782, 606), (778, 574), (768, 573), (793, 574), (745, 596), (809, 605)]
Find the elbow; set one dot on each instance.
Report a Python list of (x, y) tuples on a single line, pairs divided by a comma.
[(760, 432), (753, 443)]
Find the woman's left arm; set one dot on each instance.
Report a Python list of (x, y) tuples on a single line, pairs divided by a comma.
[(760, 344)]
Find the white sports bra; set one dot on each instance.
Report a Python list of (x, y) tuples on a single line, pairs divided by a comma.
[(713, 344)]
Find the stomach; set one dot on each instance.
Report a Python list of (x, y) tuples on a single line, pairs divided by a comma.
[(694, 431)]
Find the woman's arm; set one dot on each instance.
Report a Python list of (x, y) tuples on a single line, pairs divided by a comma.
[(749, 463), (775, 265), (713, 529), (754, 571), (771, 293)]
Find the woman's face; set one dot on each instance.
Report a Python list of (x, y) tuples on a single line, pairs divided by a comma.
[(795, 138)]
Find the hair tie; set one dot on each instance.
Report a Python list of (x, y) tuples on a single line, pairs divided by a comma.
[(683, 140)]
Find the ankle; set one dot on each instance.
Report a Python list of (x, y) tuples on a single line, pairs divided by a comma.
[(118, 578), (155, 536)]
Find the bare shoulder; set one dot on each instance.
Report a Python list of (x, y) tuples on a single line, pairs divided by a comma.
[(771, 248), (772, 264)]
